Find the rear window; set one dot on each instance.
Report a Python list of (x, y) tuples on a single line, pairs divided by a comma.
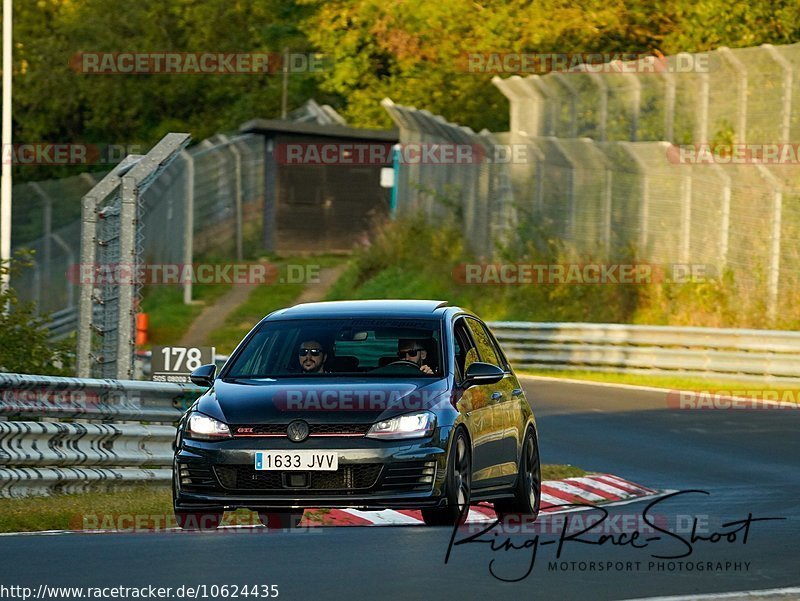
[(347, 347)]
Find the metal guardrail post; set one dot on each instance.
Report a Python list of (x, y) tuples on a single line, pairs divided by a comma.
[(702, 119), (573, 187), (686, 213), (237, 198), (644, 205), (602, 105), (134, 183), (573, 103), (526, 104), (89, 205), (741, 92), (786, 110), (774, 267), (669, 105), (127, 256), (188, 224), (47, 254), (725, 217), (270, 201)]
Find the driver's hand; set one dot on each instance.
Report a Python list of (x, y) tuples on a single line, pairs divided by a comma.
[(426, 369)]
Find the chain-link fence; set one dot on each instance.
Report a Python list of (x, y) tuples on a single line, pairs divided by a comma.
[(221, 179), (163, 209), (46, 220), (479, 191), (613, 161)]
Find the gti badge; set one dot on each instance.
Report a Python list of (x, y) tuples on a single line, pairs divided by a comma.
[(297, 431)]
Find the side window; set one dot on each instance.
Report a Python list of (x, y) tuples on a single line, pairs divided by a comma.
[(484, 343), (499, 351), (466, 353)]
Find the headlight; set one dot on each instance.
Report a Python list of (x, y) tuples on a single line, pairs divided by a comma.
[(413, 425), (203, 427)]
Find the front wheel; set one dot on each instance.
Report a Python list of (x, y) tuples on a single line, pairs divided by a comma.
[(457, 487), (528, 489)]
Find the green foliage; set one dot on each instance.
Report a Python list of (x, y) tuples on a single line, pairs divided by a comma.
[(410, 258), (412, 51), (416, 52), (24, 344), (53, 101)]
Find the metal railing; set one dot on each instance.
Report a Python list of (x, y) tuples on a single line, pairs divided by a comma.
[(731, 354), (72, 435)]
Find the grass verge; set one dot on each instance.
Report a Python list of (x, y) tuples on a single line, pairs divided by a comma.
[(168, 316), (265, 299), (152, 505), (411, 258)]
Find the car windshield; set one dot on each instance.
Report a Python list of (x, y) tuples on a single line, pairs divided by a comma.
[(380, 347)]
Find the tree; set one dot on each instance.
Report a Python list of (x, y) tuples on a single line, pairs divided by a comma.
[(24, 338)]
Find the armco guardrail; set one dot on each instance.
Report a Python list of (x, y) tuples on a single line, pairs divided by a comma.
[(81, 451), (747, 355), (56, 435)]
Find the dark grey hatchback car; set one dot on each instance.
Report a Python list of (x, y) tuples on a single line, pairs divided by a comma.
[(370, 404)]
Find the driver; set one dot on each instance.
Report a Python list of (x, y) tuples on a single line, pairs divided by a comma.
[(413, 350), (312, 357)]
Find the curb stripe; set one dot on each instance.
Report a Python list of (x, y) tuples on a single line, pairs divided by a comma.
[(588, 486), (593, 489), (609, 488), (628, 488), (626, 482), (567, 487), (385, 517)]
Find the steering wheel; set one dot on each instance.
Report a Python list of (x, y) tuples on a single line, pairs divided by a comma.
[(405, 362)]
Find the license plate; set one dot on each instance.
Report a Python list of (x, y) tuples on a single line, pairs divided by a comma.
[(297, 461)]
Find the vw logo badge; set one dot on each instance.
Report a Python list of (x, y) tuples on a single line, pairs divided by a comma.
[(297, 431)]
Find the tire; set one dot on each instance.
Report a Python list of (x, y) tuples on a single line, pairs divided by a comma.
[(457, 487), (280, 520), (205, 521), (528, 487)]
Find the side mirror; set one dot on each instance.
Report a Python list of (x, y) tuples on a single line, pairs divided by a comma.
[(204, 375), (483, 373)]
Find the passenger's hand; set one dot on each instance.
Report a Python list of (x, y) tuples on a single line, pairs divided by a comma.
[(426, 369)]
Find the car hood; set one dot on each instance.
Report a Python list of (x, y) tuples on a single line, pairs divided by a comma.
[(324, 401)]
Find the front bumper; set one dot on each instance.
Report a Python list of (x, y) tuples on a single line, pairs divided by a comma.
[(372, 474)]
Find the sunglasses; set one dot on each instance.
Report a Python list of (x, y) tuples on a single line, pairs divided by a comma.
[(411, 352), (314, 352)]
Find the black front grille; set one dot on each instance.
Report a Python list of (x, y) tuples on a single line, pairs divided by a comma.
[(328, 429), (358, 476), (314, 429), (196, 477), (409, 476)]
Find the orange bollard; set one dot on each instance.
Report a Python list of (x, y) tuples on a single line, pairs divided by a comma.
[(141, 329)]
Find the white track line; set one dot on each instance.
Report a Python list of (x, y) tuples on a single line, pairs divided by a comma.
[(795, 591), (385, 517), (663, 390)]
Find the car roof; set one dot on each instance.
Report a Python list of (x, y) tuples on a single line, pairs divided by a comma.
[(355, 308)]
